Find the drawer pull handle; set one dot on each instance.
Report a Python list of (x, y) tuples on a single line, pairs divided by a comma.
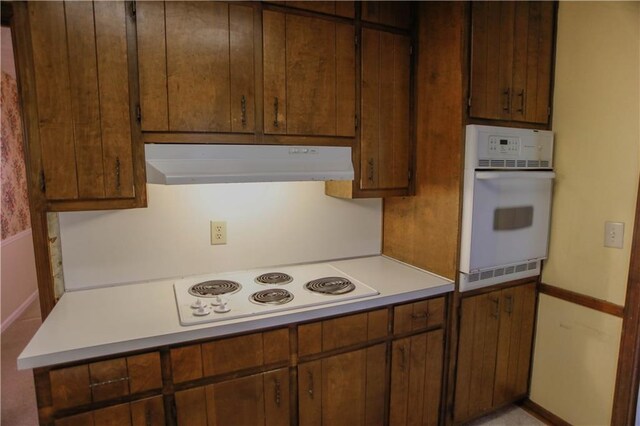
[(521, 95), (275, 113), (277, 396), (496, 309), (420, 315), (108, 382), (118, 173), (371, 171), (509, 305), (507, 96), (310, 387), (243, 108), (402, 357)]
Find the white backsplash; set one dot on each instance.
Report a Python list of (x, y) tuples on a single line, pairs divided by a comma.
[(267, 224)]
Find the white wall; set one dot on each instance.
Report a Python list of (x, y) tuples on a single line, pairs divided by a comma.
[(267, 223)]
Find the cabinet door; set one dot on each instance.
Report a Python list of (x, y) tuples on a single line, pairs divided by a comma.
[(392, 13), (81, 70), (514, 343), (309, 76), (261, 399), (416, 379), (385, 92), (343, 389), (533, 43), (477, 349), (491, 59), (144, 412), (196, 66)]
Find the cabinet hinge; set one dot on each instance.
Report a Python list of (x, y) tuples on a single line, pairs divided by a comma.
[(357, 121), (138, 113), (43, 182), (133, 9)]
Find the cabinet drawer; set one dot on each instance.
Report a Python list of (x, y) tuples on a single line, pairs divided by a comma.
[(340, 332), (229, 355), (105, 380), (144, 412), (418, 315)]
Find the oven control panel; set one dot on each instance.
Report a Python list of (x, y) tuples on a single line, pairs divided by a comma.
[(505, 145)]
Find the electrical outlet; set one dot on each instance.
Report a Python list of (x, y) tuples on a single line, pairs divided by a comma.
[(613, 234), (218, 233)]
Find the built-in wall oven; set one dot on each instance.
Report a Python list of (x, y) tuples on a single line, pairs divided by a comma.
[(508, 178)]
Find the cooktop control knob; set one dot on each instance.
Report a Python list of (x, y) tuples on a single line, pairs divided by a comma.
[(222, 308), (202, 311), (198, 304), (219, 301)]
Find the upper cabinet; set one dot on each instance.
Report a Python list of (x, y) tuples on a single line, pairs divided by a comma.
[(391, 13), (345, 9), (197, 69), (511, 58), (309, 75), (83, 136)]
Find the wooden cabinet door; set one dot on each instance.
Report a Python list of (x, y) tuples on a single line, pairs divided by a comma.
[(144, 412), (196, 66), (385, 93), (477, 350), (416, 379), (392, 13), (511, 54), (81, 70), (346, 389), (261, 399), (514, 343), (309, 76)]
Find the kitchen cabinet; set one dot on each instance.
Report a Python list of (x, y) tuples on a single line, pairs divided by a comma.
[(85, 139), (197, 69), (345, 9), (144, 412), (309, 76), (494, 350), (391, 13), (260, 399), (511, 60)]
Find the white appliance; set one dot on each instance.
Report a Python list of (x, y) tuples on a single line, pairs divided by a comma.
[(177, 164), (508, 178), (224, 296)]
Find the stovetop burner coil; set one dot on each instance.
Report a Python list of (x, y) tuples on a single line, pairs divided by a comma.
[(214, 288), (279, 278), (331, 286), (274, 296)]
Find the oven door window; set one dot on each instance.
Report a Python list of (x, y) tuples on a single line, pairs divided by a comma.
[(510, 221)]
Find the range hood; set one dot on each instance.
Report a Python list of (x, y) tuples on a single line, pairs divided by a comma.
[(178, 164)]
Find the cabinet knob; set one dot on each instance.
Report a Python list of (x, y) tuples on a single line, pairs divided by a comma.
[(310, 386)]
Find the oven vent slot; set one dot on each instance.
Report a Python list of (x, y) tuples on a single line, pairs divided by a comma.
[(474, 277), (483, 163), (521, 268), (544, 163), (533, 163), (532, 265), (486, 275), (510, 163), (509, 270), (498, 272), (497, 163), (522, 163)]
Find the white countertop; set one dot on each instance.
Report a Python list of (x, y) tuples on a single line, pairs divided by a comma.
[(112, 320)]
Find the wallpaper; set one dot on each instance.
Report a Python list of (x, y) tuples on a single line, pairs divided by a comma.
[(14, 212)]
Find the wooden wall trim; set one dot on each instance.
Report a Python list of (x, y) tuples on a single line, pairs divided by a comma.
[(628, 376), (542, 414), (582, 300)]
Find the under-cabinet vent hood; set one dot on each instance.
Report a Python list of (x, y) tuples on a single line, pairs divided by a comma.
[(176, 164)]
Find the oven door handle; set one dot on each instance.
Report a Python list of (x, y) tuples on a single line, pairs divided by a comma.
[(512, 175)]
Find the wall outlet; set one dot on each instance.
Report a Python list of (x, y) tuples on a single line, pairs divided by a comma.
[(218, 233), (613, 234)]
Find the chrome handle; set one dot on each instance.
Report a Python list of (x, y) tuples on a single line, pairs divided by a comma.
[(370, 163), (507, 95), (117, 172), (496, 308), (521, 96), (402, 357), (276, 382), (243, 109), (509, 304), (275, 112), (310, 386), (108, 382)]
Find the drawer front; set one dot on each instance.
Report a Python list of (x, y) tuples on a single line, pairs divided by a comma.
[(144, 412), (418, 315), (341, 332), (105, 380), (229, 355)]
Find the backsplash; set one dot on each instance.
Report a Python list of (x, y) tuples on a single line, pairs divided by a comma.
[(267, 224)]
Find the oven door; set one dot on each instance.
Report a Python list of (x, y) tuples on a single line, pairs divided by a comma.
[(509, 220)]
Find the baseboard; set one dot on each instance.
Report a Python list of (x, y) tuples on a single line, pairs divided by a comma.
[(542, 414), (14, 316)]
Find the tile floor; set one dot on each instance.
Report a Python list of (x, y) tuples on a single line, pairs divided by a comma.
[(509, 416), (17, 394)]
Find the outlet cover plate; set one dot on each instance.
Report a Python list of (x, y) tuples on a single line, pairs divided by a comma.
[(614, 234)]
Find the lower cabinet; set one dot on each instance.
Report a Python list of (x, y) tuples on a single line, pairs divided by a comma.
[(345, 389), (144, 412), (416, 379), (261, 399), (494, 350)]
